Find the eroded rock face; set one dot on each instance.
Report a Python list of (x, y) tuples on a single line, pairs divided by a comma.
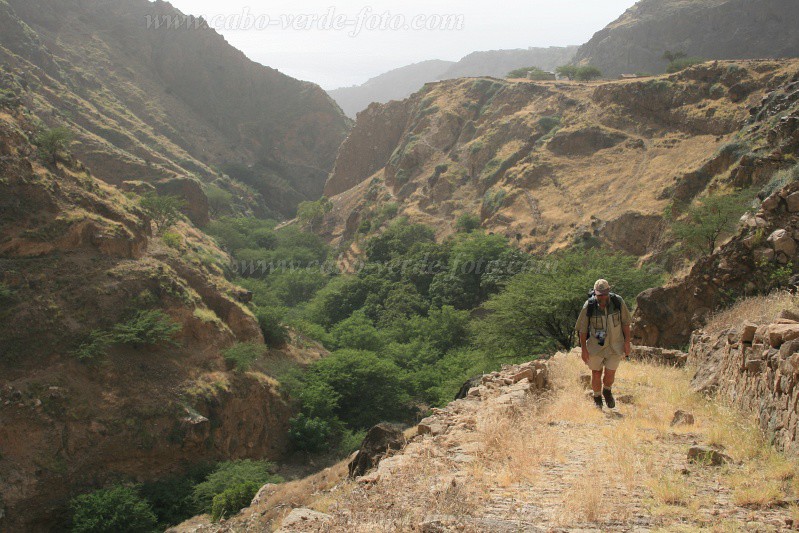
[(368, 146)]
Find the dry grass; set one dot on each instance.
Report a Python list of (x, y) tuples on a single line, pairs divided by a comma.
[(583, 501), (671, 488), (757, 309)]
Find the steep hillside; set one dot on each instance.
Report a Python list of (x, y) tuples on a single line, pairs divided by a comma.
[(511, 457), (549, 164), (709, 29), (762, 256), (156, 104), (402, 82), (80, 407)]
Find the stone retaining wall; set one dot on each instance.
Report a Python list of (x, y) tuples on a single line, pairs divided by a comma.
[(756, 367)]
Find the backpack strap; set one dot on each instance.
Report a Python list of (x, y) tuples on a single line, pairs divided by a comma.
[(615, 299)]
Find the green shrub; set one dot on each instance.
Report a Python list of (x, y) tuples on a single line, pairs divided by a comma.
[(94, 347), (467, 223), (683, 63), (6, 293), (52, 141), (313, 212), (173, 240), (219, 200), (309, 434), (356, 332), (165, 211), (145, 328), (119, 509), (229, 474), (579, 73), (717, 91), (233, 500), (532, 73), (275, 333), (171, 497), (350, 441), (361, 389), (242, 355), (492, 200), (365, 226), (548, 123), (706, 221)]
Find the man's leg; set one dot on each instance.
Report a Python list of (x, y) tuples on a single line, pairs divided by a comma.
[(596, 381), (596, 386), (610, 375), (608, 383)]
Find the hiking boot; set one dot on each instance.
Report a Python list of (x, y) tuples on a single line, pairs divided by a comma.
[(598, 402), (609, 398)]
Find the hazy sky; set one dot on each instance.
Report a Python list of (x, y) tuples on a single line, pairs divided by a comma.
[(349, 42)]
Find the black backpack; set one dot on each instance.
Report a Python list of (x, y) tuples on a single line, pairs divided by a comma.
[(615, 300)]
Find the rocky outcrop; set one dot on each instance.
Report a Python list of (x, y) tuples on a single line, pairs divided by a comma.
[(368, 146), (756, 367), (379, 442), (710, 29)]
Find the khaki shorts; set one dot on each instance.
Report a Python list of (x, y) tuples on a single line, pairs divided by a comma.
[(608, 361)]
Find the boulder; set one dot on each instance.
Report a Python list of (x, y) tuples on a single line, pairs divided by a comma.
[(682, 418), (782, 241), (469, 384), (793, 202), (379, 440), (304, 520), (748, 332), (780, 333), (707, 455)]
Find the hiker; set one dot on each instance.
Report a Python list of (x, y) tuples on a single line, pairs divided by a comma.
[(604, 329)]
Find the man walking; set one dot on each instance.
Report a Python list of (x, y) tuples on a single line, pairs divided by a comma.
[(604, 329)]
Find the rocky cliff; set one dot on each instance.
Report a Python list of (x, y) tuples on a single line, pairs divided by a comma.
[(708, 29), (762, 255), (77, 257), (550, 164), (169, 102)]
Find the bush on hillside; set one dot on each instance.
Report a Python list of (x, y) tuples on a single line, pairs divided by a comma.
[(704, 222), (233, 499), (165, 210), (537, 311), (243, 355), (683, 63), (579, 73), (118, 509), (145, 328), (52, 141), (230, 474)]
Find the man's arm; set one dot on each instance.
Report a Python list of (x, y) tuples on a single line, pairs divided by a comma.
[(627, 346), (584, 346)]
